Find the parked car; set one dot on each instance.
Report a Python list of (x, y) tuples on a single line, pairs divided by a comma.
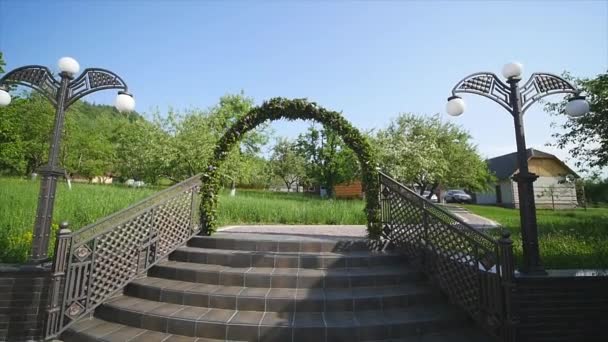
[(457, 196), (135, 184), (433, 198)]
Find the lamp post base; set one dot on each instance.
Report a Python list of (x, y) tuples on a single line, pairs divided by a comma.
[(44, 214), (529, 228)]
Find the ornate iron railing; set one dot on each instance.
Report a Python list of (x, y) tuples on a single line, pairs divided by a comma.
[(470, 267), (96, 262)]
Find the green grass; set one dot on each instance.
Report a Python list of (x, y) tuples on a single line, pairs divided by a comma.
[(86, 203), (567, 238), (82, 205), (251, 206)]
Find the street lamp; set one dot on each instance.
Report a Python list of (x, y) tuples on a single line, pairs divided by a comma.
[(516, 101), (62, 93)]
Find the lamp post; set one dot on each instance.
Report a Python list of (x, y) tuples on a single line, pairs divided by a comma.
[(516, 100), (61, 93)]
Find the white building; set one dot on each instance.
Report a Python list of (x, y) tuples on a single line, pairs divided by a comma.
[(550, 189)]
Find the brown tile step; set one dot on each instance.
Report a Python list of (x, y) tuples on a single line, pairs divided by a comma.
[(285, 277), (95, 329), (282, 243), (269, 326), (281, 299), (470, 334), (238, 258)]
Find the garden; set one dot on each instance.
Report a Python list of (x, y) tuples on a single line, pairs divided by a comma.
[(86, 203), (568, 238)]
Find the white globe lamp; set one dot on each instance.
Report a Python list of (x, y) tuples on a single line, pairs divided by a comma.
[(455, 106), (124, 102), (5, 98), (512, 70), (68, 65), (577, 107)]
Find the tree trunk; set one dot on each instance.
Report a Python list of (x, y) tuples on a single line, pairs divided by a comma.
[(433, 188)]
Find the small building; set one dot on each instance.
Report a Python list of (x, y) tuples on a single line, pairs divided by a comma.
[(550, 189), (352, 189)]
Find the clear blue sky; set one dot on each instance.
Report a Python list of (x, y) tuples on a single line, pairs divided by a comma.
[(371, 60)]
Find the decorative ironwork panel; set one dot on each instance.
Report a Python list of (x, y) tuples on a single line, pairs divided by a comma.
[(488, 85), (173, 214), (36, 77), (105, 256), (463, 262), (92, 80), (541, 84), (116, 256)]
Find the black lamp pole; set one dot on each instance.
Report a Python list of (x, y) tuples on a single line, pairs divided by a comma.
[(62, 94), (516, 101)]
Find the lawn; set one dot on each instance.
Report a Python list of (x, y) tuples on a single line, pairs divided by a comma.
[(87, 203), (568, 238), (82, 205), (251, 206)]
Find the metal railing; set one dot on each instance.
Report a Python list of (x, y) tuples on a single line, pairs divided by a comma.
[(474, 270), (96, 262)]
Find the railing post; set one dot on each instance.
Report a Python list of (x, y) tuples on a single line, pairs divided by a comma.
[(507, 276), (425, 234), (384, 209), (62, 248), (193, 208)]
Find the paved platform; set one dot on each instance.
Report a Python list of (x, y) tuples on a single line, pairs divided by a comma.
[(298, 231), (474, 220)]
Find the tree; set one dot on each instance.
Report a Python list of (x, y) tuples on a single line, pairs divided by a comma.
[(586, 138), (194, 134), (2, 63), (287, 164), (426, 152), (143, 151), (328, 160), (25, 126)]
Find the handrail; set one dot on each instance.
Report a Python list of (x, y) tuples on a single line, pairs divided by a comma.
[(90, 231), (98, 261), (442, 210), (469, 266)]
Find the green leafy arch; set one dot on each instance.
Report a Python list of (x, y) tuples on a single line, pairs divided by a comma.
[(294, 109)]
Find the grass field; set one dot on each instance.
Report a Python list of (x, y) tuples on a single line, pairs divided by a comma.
[(82, 205), (567, 238), (87, 203), (287, 208)]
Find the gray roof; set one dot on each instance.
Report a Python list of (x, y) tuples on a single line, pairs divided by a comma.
[(505, 166)]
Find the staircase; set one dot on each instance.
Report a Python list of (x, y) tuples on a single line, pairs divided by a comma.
[(265, 287)]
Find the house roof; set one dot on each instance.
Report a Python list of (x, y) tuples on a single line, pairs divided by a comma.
[(505, 166)]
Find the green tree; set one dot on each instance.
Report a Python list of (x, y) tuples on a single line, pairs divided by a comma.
[(2, 63), (586, 138), (287, 164), (425, 152), (194, 134), (25, 126), (328, 160), (142, 150)]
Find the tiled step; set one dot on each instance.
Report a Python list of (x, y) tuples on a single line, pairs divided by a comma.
[(281, 243), (281, 299), (320, 260), (285, 277), (299, 326), (95, 329)]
